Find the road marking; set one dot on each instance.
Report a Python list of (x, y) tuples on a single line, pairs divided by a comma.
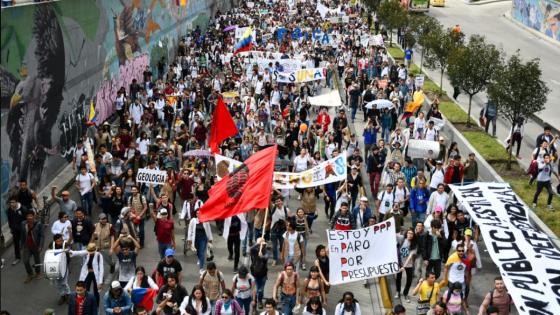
[(555, 82)]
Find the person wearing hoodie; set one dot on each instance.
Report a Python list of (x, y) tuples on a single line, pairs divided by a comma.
[(419, 198), (343, 220)]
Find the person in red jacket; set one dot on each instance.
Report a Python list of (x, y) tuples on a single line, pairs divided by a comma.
[(324, 119), (454, 172)]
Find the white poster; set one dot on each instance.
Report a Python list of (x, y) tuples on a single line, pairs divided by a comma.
[(363, 253), (376, 40), (419, 80), (331, 99), (303, 75), (289, 65), (423, 148), (528, 260), (330, 171), (148, 176)]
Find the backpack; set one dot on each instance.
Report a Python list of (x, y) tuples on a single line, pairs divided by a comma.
[(279, 226), (258, 266), (235, 281), (235, 224)]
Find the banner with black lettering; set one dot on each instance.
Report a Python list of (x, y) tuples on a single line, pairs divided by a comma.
[(363, 253), (528, 260), (149, 176)]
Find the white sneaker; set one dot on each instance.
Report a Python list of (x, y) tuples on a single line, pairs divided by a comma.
[(407, 299), (15, 262), (397, 295), (534, 205), (550, 207)]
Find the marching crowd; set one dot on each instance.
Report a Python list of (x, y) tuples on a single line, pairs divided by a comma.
[(162, 123)]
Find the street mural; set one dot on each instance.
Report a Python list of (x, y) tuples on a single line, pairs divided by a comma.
[(540, 15), (57, 58)]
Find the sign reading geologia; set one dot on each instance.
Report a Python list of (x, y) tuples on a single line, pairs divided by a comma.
[(149, 176)]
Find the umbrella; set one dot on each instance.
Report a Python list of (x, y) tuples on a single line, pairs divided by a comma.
[(382, 103), (198, 153), (229, 28)]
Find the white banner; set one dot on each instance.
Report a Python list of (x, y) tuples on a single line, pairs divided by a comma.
[(323, 10), (376, 40), (330, 171), (419, 80), (528, 260), (289, 65), (363, 253), (148, 176), (438, 123), (423, 148), (303, 75), (331, 99)]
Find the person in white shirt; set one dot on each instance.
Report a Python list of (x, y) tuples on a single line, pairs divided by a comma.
[(85, 182), (438, 198), (437, 175), (385, 201), (62, 226), (431, 133), (419, 126), (143, 143), (301, 162)]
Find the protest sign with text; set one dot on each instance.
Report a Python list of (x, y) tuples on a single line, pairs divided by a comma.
[(149, 176), (363, 253), (329, 171), (303, 75), (528, 260)]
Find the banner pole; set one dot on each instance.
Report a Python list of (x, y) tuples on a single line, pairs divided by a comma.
[(264, 231)]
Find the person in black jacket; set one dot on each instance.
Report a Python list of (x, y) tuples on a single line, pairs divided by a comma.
[(16, 215), (374, 166), (434, 247), (420, 240), (81, 297), (31, 244), (82, 229)]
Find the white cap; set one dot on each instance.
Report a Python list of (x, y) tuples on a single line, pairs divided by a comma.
[(115, 285), (364, 198)]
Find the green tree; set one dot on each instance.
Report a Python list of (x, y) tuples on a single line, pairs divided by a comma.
[(440, 44), (392, 15), (518, 91), (421, 25), (371, 4), (471, 67)]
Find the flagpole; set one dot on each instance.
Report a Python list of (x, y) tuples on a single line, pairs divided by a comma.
[(264, 231)]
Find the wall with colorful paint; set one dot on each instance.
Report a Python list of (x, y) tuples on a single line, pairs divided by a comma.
[(56, 58), (540, 15)]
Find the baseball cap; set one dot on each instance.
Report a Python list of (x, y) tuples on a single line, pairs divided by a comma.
[(439, 162), (438, 209), (169, 252), (102, 216), (364, 198), (163, 211), (115, 285), (468, 232)]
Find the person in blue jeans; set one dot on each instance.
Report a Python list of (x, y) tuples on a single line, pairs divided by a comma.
[(259, 267), (199, 236), (419, 198), (288, 283)]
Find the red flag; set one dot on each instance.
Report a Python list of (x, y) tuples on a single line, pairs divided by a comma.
[(222, 127), (248, 187)]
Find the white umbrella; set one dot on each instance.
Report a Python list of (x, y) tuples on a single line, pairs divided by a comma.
[(380, 104)]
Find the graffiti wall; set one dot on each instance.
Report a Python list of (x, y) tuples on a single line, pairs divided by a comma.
[(540, 15), (56, 58)]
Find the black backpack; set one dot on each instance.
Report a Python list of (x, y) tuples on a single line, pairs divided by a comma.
[(235, 225), (258, 266)]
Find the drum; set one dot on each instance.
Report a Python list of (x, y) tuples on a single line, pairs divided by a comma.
[(55, 264)]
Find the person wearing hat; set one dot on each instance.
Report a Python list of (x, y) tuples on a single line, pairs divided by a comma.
[(362, 212), (164, 230), (104, 237), (66, 204), (92, 270), (167, 266), (117, 301), (82, 302)]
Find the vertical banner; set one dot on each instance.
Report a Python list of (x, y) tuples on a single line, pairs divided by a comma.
[(528, 260), (363, 253)]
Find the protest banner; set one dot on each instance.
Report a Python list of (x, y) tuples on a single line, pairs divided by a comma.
[(303, 75), (376, 40), (528, 261), (330, 171), (331, 99), (363, 253), (149, 176), (419, 80), (422, 148), (438, 123)]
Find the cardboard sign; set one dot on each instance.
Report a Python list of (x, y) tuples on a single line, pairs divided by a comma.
[(149, 176)]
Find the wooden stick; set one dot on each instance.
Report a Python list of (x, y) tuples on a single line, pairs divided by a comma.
[(264, 231)]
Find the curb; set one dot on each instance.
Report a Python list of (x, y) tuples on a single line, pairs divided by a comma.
[(510, 18), (484, 2)]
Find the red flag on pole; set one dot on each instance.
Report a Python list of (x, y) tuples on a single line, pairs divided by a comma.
[(222, 126), (248, 187)]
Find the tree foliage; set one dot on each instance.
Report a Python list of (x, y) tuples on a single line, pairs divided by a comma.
[(440, 44), (471, 67), (518, 90), (392, 15)]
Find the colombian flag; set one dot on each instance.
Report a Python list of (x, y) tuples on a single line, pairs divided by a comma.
[(245, 43), (92, 116), (143, 297), (182, 3)]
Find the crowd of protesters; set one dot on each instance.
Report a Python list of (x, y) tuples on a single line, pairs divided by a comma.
[(164, 116)]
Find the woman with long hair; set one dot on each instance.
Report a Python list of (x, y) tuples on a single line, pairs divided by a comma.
[(407, 252), (117, 203), (140, 280), (348, 305), (197, 301), (313, 286), (314, 307), (228, 305), (322, 263)]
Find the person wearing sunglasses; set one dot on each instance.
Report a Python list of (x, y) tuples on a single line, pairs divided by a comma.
[(457, 269), (228, 305)]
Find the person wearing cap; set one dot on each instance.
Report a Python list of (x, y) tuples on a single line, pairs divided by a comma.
[(117, 301), (362, 212), (104, 237), (438, 198), (167, 266), (64, 202), (164, 230), (82, 302), (92, 270)]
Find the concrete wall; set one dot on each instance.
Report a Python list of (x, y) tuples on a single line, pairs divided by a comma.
[(540, 15), (57, 58)]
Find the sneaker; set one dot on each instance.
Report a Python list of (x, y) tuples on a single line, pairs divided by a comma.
[(15, 262), (230, 257), (534, 205), (407, 299), (550, 208), (38, 275), (397, 295), (234, 269), (260, 305), (303, 267), (28, 279)]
